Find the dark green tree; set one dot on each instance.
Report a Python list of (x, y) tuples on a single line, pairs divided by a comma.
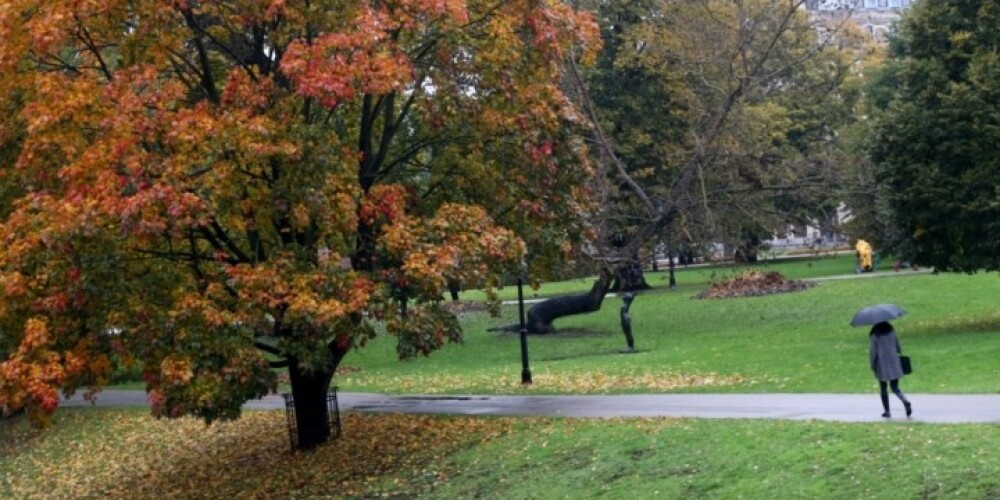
[(935, 146)]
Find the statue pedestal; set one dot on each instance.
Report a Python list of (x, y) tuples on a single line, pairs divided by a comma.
[(630, 351)]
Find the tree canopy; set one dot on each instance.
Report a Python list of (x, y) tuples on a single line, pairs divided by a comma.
[(935, 135), (214, 188), (720, 119)]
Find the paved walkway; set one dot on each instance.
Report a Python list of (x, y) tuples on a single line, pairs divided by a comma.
[(874, 274), (929, 408)]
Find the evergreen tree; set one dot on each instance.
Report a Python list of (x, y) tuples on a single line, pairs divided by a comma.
[(935, 148)]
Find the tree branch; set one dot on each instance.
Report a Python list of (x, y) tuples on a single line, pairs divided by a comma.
[(85, 37), (205, 70)]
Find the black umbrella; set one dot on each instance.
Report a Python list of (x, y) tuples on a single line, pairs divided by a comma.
[(876, 314)]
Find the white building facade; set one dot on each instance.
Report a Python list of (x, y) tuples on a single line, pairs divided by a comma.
[(856, 5), (875, 16)]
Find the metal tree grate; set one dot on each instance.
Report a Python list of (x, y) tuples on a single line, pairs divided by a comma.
[(332, 414)]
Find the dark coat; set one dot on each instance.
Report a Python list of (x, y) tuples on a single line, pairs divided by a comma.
[(884, 355)]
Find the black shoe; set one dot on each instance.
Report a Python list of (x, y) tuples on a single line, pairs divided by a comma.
[(909, 409), (886, 415)]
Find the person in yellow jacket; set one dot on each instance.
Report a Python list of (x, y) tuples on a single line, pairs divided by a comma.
[(864, 252)]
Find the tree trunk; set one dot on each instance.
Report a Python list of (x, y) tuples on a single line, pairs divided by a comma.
[(541, 315), (309, 391), (629, 278), (745, 254), (454, 286)]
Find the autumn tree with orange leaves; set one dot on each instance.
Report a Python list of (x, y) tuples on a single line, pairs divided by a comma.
[(211, 189)]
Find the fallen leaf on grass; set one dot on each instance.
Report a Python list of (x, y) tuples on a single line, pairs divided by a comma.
[(378, 455), (579, 383)]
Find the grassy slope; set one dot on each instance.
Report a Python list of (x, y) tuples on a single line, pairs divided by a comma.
[(124, 453), (732, 459)]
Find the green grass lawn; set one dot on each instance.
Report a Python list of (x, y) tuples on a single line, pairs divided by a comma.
[(685, 459), (124, 453), (794, 342)]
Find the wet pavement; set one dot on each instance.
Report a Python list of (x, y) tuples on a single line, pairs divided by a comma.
[(929, 408)]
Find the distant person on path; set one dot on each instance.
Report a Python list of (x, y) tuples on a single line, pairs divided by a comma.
[(884, 353)]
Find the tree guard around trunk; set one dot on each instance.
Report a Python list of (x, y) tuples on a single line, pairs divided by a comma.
[(333, 417)]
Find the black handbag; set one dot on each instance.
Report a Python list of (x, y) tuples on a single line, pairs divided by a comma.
[(907, 367)]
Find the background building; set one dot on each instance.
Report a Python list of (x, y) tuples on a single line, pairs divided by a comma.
[(875, 16)]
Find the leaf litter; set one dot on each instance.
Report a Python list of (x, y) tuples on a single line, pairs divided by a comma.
[(754, 284), (128, 454)]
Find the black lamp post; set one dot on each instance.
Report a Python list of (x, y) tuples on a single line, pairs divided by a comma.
[(525, 371)]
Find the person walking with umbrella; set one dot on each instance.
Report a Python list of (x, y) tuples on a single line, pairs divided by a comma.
[(884, 352)]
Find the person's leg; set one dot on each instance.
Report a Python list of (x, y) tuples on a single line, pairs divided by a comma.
[(884, 394), (906, 403)]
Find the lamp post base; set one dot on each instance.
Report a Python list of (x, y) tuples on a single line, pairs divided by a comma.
[(525, 371)]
